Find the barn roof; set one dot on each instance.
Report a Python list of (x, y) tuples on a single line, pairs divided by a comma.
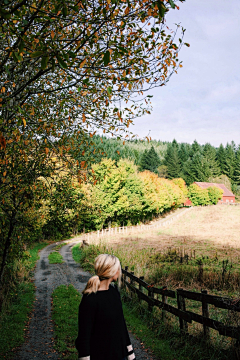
[(205, 185)]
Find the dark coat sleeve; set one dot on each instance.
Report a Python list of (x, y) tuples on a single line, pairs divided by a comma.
[(86, 315)]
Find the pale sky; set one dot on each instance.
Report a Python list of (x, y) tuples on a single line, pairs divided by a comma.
[(202, 101)]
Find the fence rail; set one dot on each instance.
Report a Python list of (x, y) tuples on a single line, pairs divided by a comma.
[(185, 316)]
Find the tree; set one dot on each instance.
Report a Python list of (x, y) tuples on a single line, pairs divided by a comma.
[(183, 154), (214, 194), (210, 157), (195, 169), (196, 147), (198, 196), (172, 160), (62, 64), (228, 161), (236, 174), (150, 160), (221, 157)]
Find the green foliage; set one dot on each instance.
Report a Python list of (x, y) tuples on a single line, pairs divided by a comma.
[(66, 300), (236, 174), (115, 149), (61, 211), (123, 193), (229, 160), (51, 88), (55, 258), (150, 161), (215, 194), (210, 156), (198, 196), (129, 196), (172, 160)]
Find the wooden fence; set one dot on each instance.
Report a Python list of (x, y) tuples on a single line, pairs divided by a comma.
[(152, 298), (101, 234)]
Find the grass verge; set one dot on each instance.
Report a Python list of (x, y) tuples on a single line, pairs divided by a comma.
[(33, 254), (16, 311), (55, 258), (13, 319), (66, 300)]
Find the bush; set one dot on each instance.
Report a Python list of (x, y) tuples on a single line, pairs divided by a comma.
[(214, 194), (198, 196)]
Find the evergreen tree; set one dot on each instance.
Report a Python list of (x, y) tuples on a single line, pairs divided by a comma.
[(172, 160), (236, 175), (210, 157), (183, 154), (150, 160), (221, 157), (196, 147), (195, 169), (229, 161), (187, 173)]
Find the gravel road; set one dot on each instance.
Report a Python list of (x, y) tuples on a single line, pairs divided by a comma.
[(39, 341)]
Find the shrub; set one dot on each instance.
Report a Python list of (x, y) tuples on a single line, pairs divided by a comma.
[(214, 194), (198, 196)]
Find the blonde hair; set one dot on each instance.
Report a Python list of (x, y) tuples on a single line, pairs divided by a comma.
[(106, 266)]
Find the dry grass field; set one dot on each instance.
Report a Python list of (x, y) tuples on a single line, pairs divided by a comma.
[(209, 231)]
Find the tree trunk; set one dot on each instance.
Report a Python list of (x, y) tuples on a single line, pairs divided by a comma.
[(5, 254)]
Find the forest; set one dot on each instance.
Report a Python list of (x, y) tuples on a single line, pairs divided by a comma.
[(191, 162)]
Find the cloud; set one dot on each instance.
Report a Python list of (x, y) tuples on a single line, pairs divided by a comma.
[(202, 101)]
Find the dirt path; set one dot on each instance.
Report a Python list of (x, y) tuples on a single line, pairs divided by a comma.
[(39, 341)]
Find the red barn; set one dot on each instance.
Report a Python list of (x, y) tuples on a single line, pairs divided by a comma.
[(228, 196)]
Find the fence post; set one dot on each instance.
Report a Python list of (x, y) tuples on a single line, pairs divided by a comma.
[(205, 312), (125, 277), (182, 306), (140, 286), (151, 295), (132, 283), (164, 300)]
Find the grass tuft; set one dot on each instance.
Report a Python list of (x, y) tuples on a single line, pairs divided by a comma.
[(55, 258), (66, 300)]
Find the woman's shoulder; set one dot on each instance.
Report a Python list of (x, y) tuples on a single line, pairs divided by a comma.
[(88, 299), (114, 287)]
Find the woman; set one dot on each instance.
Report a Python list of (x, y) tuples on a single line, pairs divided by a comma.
[(102, 331)]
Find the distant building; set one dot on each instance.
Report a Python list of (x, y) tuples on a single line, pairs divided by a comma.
[(228, 196)]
